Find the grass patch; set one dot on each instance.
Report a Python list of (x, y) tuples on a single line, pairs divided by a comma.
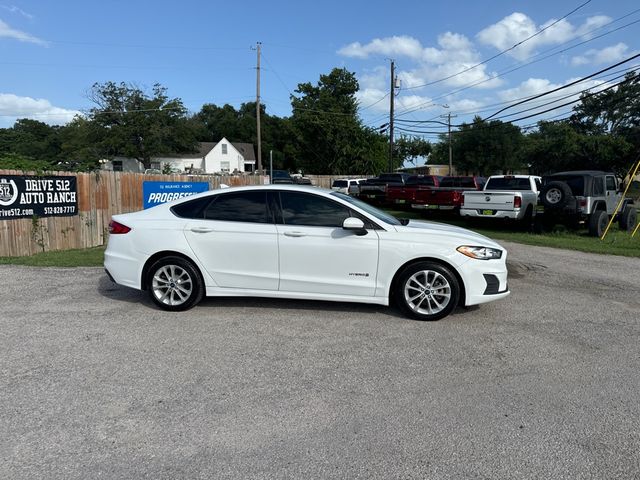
[(85, 257), (615, 243)]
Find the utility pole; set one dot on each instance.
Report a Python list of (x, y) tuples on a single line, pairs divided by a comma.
[(391, 105), (258, 45), (448, 117)]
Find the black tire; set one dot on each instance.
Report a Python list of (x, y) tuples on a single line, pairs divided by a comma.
[(628, 218), (174, 284), (427, 282), (556, 195), (528, 219), (598, 223)]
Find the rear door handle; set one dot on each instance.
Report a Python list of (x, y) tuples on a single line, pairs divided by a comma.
[(202, 229), (295, 234)]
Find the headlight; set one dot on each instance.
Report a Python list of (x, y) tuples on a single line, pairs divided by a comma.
[(480, 253)]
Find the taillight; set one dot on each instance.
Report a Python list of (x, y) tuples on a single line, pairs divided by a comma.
[(583, 203), (116, 228), (517, 202)]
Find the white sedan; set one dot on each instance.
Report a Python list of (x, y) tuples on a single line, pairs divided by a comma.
[(297, 242)]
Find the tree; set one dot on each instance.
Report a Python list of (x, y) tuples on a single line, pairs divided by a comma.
[(128, 122), (330, 138), (558, 146), (411, 148), (483, 148), (31, 139)]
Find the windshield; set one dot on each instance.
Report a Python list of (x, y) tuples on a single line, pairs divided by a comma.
[(379, 214), (339, 183), (506, 183), (421, 181), (281, 174), (464, 182)]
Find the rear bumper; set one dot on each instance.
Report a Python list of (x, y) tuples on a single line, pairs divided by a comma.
[(478, 213)]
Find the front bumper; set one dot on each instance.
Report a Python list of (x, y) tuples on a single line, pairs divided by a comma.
[(485, 280)]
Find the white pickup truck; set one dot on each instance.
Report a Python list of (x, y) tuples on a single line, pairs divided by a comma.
[(504, 196)]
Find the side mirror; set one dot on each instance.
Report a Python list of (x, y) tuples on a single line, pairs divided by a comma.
[(354, 225)]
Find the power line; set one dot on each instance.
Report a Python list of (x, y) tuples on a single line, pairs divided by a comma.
[(614, 75), (633, 57), (502, 52), (534, 59)]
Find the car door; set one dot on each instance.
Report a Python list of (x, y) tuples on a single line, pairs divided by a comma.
[(316, 254), (236, 240), (611, 190)]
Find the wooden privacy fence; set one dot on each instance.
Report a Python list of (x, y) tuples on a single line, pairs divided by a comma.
[(100, 195)]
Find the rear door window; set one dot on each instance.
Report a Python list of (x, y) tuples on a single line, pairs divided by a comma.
[(248, 207)]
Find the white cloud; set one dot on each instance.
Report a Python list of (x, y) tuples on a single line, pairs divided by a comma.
[(614, 53), (453, 54), (390, 46), (19, 11), (13, 107), (517, 27), (7, 32)]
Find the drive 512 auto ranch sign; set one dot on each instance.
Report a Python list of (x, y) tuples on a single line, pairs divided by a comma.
[(26, 196)]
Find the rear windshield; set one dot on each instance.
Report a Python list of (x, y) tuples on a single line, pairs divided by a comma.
[(392, 176), (464, 182), (576, 183), (281, 174), (339, 183), (421, 181), (508, 184)]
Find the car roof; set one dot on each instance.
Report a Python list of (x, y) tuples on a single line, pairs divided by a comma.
[(590, 173)]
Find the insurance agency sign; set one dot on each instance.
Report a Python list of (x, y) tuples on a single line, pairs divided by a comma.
[(47, 196), (157, 193)]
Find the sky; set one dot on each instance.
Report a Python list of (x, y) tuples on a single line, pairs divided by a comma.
[(52, 52)]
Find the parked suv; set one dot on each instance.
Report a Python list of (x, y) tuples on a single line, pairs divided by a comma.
[(584, 197)]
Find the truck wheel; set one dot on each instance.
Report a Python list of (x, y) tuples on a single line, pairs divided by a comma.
[(555, 195), (598, 223), (628, 218)]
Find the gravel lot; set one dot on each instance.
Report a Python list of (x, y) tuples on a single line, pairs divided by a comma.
[(95, 382)]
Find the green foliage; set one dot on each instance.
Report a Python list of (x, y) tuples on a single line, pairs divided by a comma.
[(330, 138), (128, 122), (558, 146), (13, 161), (410, 149), (483, 148), (213, 123)]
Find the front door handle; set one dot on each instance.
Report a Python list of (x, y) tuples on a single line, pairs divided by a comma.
[(202, 229), (295, 234)]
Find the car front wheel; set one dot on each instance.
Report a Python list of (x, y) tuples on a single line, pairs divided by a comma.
[(427, 291), (174, 284)]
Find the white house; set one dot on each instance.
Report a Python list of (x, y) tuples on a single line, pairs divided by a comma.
[(211, 157)]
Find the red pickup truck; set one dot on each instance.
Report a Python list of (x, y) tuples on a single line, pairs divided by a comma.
[(448, 196), (404, 195)]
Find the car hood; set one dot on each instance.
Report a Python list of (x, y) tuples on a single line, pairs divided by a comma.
[(462, 234)]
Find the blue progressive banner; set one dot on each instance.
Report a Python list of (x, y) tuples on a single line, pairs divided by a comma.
[(156, 193)]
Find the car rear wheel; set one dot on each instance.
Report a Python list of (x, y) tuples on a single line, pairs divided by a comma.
[(174, 284), (427, 291), (598, 223), (628, 218)]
